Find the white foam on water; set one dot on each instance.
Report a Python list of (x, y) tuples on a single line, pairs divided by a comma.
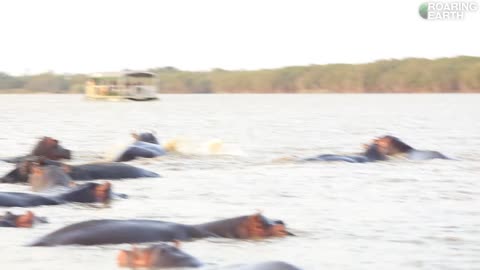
[(186, 145), (117, 148), (181, 144)]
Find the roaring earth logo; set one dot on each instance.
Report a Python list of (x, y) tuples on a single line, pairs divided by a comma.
[(446, 10)]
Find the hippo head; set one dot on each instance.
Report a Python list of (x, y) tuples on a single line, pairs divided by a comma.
[(259, 226), (46, 176), (145, 137), (51, 149), (372, 152), (89, 193), (19, 174), (159, 255), (391, 145), (24, 168), (20, 221), (247, 227)]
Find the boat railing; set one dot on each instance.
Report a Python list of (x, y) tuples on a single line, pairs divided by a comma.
[(123, 90), (108, 90)]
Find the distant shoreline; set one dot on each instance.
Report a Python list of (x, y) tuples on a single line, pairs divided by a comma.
[(410, 75), (28, 92)]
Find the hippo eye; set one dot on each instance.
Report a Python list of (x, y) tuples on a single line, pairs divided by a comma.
[(279, 222)]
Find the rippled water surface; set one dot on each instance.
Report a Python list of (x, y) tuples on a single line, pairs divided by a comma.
[(388, 215)]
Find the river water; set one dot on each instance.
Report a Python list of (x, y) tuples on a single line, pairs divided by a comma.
[(234, 160)]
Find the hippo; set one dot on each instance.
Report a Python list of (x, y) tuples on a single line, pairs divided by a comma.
[(47, 147), (26, 220), (391, 146), (371, 154), (83, 172), (163, 255), (145, 146), (48, 176), (86, 193), (268, 265), (160, 255), (112, 231)]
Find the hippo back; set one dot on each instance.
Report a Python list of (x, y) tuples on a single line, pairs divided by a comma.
[(108, 170), (328, 157), (108, 231), (140, 149), (425, 155), (18, 199), (269, 265)]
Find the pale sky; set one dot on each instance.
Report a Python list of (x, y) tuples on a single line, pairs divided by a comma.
[(100, 35)]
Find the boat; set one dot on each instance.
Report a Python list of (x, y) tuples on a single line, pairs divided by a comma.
[(125, 85)]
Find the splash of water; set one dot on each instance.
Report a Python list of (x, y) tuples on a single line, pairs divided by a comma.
[(189, 146), (182, 145)]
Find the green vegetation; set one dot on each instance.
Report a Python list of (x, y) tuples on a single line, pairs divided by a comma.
[(454, 75)]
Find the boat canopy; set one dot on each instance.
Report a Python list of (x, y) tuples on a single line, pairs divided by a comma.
[(129, 73)]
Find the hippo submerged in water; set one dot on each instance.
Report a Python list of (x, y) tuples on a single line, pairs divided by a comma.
[(167, 256), (157, 256), (59, 173), (86, 193), (392, 146), (47, 147), (146, 145), (20, 221), (371, 154), (109, 231)]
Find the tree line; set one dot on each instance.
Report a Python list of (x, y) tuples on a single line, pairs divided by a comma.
[(444, 75)]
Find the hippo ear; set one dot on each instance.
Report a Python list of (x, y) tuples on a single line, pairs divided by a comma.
[(255, 217), (177, 243), (135, 136), (8, 214), (50, 141)]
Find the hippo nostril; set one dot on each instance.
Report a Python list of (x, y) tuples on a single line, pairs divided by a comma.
[(124, 258)]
